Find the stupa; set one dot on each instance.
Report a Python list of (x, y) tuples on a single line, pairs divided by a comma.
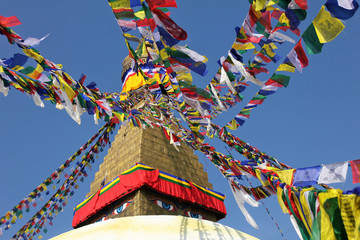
[(148, 189)]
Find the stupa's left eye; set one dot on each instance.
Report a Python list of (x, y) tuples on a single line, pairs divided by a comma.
[(164, 205), (121, 208), (193, 214)]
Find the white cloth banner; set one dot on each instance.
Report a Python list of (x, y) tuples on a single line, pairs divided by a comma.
[(333, 173)]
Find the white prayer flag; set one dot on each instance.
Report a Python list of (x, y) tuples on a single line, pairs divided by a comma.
[(333, 173)]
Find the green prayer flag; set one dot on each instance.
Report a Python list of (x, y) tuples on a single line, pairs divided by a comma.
[(312, 42), (282, 79), (331, 207)]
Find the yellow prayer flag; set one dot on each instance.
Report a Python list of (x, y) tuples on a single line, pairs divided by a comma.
[(38, 70), (232, 125), (163, 54), (301, 213), (264, 182), (284, 19), (327, 230), (65, 86), (270, 6), (120, 116), (120, 4), (140, 14), (273, 46), (327, 27), (305, 206), (33, 54), (259, 4), (279, 193), (185, 76), (241, 46), (284, 67), (286, 176), (268, 50), (17, 68), (350, 214)]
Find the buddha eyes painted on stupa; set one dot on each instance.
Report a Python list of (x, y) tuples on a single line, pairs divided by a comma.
[(121, 208), (176, 207), (192, 214), (103, 218), (164, 205), (115, 211)]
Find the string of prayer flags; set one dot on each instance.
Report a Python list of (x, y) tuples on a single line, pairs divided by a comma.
[(60, 199), (324, 28), (164, 92), (42, 188)]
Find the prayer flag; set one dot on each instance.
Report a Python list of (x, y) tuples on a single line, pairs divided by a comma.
[(281, 79), (31, 41), (127, 24), (355, 168), (301, 55), (169, 25), (327, 27), (298, 57), (286, 176), (313, 44), (9, 21), (306, 176), (342, 9), (17, 60), (350, 215), (332, 226), (161, 3), (302, 4), (333, 173)]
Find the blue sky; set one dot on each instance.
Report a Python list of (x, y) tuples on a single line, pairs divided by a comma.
[(313, 121)]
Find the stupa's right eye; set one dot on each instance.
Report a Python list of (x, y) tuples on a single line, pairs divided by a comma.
[(193, 214), (164, 205), (104, 218)]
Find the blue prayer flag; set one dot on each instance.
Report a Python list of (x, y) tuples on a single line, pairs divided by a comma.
[(342, 9), (306, 176)]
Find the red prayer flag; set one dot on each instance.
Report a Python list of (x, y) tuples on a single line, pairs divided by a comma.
[(170, 26), (302, 4), (355, 168), (9, 21), (161, 3), (301, 55)]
